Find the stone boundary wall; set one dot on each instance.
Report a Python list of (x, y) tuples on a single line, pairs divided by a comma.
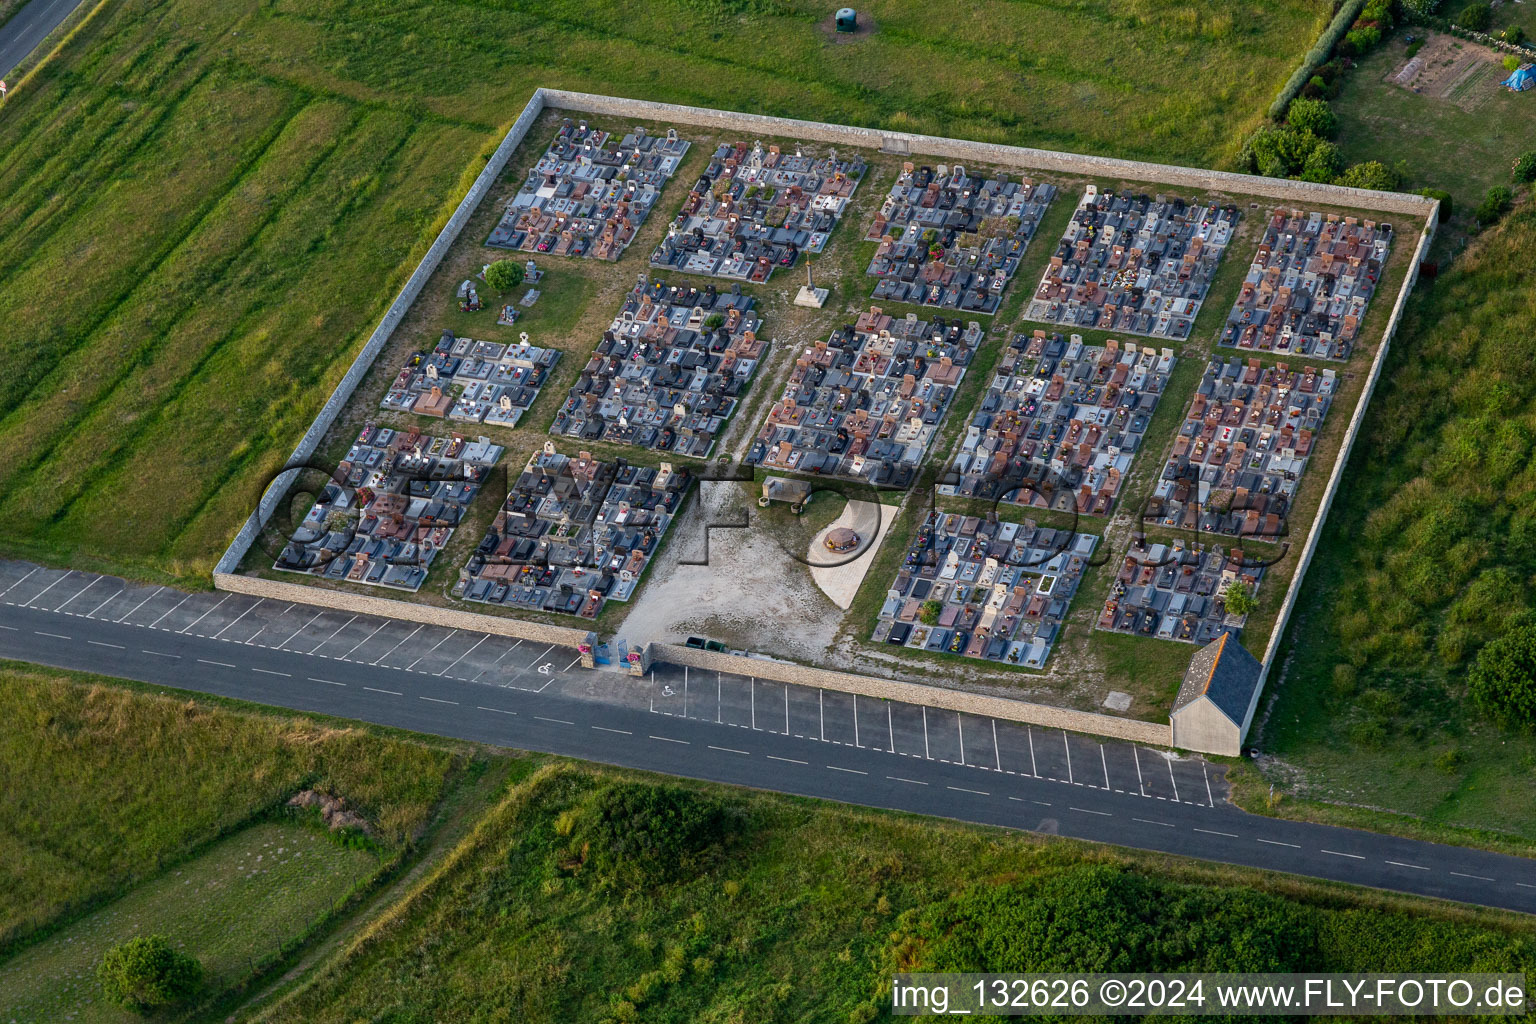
[(1334, 478), (430, 615), (944, 698), (994, 154), (376, 341)]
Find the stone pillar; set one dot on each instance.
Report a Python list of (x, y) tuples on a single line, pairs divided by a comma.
[(586, 649), (639, 659)]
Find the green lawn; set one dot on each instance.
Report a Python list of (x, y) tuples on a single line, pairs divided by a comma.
[(1429, 553), (235, 907), (737, 906), (106, 787), (210, 204)]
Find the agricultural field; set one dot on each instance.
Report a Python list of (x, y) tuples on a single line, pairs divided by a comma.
[(592, 894), (106, 787), (174, 312), (1428, 555)]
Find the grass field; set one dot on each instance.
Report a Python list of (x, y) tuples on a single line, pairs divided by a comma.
[(1429, 553), (793, 910), (234, 906), (105, 787), (173, 311)]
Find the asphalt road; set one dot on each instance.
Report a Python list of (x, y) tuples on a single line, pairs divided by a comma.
[(30, 26), (618, 734)]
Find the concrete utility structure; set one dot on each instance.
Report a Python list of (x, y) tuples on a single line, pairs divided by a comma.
[(1215, 704)]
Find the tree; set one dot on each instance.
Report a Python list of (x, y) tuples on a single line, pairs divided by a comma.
[(1322, 164), (1445, 201), (146, 973), (1525, 168), (1239, 599), (1372, 174), (1495, 201), (1502, 682), (1313, 116), (504, 275), (1476, 17), (1280, 152)]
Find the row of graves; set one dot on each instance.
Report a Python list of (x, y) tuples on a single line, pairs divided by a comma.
[(981, 588), (471, 381), (866, 403), (1177, 592), (573, 534), (588, 195), (1240, 452), (391, 506), (1307, 290), (1060, 423), (953, 240), (752, 212), (1134, 264), (668, 371)]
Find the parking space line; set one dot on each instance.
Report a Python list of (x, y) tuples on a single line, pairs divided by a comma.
[(152, 595), (1400, 864), (1068, 747), (92, 613), (1229, 835), (1032, 769), (996, 750), (855, 721), (604, 728), (850, 771), (364, 640), (730, 750), (392, 650), (77, 593), (334, 635), (220, 664), (392, 693), (259, 602), (466, 654), (1173, 780), (103, 643), (434, 647), (788, 760), (295, 633), (786, 702), (925, 733), (178, 604), (1140, 783), (56, 636), (1276, 842), (271, 672), (1104, 761), (203, 616), (574, 662), (1336, 853), (821, 710), (960, 725), (1204, 770), (40, 593), (889, 727), (19, 582)]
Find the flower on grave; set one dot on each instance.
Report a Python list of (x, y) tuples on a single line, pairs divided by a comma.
[(583, 648)]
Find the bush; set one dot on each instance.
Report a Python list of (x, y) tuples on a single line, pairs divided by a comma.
[(1281, 152), (1420, 8), (1502, 682), (928, 614), (1445, 201), (1495, 201), (1372, 174), (147, 973), (1476, 17), (1524, 170), (1321, 51), (1313, 116), (641, 833), (1361, 41), (1379, 13), (504, 275), (1239, 599), (1414, 47), (1513, 34), (1511, 63)]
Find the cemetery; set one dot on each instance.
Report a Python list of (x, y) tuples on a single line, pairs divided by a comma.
[(1134, 264), (669, 370), (752, 212), (1177, 592), (1240, 452), (1309, 286), (573, 534), (471, 381), (866, 403), (390, 507), (980, 588), (1060, 423), (588, 196), (953, 240)]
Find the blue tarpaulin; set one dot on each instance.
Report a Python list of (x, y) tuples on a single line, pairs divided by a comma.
[(1521, 80)]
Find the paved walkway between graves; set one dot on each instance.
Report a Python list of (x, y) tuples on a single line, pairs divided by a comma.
[(841, 582)]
